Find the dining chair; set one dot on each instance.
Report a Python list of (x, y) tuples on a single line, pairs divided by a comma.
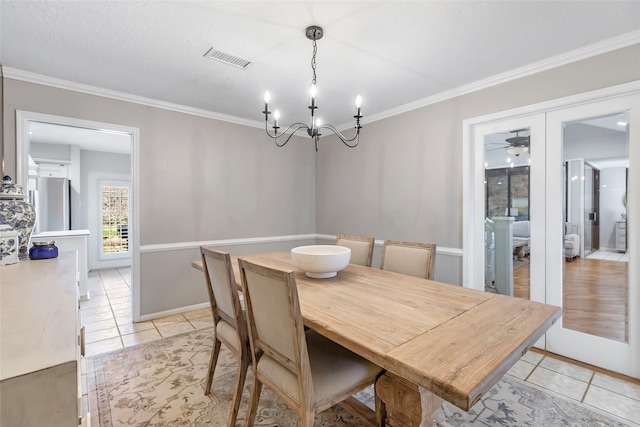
[(228, 319), (361, 248), (414, 259), (309, 372)]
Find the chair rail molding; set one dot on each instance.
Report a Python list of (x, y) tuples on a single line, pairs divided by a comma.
[(163, 247)]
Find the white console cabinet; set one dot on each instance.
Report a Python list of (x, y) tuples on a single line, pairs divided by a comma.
[(621, 236), (41, 343)]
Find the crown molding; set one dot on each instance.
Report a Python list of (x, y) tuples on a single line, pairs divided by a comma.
[(27, 76), (599, 48), (604, 46)]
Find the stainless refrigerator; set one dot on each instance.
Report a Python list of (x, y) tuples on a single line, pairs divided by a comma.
[(53, 205)]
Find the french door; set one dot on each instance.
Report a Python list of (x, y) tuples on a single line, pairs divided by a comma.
[(599, 293)]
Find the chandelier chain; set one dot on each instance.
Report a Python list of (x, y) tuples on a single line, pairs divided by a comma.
[(313, 61)]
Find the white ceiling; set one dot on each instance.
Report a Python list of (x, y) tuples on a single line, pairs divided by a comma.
[(393, 53)]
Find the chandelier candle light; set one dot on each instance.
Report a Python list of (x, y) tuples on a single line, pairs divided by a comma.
[(313, 33)]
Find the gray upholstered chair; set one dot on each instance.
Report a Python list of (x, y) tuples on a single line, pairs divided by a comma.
[(361, 248), (414, 259), (228, 320), (307, 371)]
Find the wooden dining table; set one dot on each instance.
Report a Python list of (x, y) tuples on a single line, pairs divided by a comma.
[(454, 343)]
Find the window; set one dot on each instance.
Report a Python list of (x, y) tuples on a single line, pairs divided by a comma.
[(115, 218), (507, 192)]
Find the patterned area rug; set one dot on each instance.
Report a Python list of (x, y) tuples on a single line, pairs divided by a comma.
[(161, 383)]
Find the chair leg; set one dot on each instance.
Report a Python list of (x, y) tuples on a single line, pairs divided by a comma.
[(256, 389), (215, 352), (243, 366)]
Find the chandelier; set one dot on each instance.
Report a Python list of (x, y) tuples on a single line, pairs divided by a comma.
[(313, 33)]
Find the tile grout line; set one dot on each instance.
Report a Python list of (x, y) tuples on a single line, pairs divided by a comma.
[(586, 390), (534, 368), (113, 314)]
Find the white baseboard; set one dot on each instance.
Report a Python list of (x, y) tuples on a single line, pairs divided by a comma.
[(171, 312)]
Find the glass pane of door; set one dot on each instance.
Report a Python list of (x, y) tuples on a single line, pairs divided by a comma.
[(114, 214), (595, 278), (507, 202)]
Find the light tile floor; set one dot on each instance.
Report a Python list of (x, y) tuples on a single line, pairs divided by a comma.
[(108, 326), (107, 319), (609, 255)]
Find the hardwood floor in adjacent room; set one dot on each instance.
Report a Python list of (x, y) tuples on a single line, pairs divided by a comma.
[(595, 296)]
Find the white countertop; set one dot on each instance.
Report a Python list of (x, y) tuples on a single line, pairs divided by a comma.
[(62, 233)]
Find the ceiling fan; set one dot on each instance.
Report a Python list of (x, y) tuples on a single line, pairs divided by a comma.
[(516, 144)]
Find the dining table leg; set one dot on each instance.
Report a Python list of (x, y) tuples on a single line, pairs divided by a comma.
[(430, 403), (400, 402)]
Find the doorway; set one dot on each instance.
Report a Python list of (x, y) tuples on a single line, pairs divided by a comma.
[(591, 209), (554, 256), (25, 120)]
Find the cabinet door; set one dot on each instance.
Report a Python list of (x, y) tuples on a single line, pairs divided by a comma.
[(52, 170)]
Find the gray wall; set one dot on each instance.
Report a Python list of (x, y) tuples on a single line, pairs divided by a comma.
[(202, 179), (404, 181)]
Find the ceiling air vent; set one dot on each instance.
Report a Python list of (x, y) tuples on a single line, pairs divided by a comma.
[(227, 58)]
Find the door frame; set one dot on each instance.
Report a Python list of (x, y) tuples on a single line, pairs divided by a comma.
[(22, 157), (473, 205)]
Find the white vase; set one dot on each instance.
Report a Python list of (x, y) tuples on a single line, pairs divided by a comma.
[(17, 213)]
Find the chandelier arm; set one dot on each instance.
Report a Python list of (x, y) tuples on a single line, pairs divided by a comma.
[(275, 137), (344, 139)]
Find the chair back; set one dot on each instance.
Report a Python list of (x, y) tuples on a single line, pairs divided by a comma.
[(361, 248), (276, 331), (414, 259), (571, 228), (223, 293)]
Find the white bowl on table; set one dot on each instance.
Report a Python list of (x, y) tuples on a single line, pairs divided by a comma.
[(321, 261)]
